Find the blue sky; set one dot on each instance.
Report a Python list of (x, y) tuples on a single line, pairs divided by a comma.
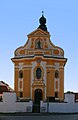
[(20, 17)]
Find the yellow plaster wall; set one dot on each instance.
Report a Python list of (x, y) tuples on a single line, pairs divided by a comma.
[(27, 83), (22, 52), (48, 52), (50, 82), (61, 93), (16, 82), (56, 52)]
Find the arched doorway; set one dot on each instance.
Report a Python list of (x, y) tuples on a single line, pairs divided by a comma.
[(37, 98), (38, 95)]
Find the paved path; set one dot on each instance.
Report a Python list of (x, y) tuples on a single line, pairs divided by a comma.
[(49, 117)]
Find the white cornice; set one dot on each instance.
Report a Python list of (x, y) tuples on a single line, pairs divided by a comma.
[(33, 57)]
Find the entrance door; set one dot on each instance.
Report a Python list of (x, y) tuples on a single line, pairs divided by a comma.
[(37, 98), (38, 95)]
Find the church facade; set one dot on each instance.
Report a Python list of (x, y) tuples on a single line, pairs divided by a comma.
[(39, 67)]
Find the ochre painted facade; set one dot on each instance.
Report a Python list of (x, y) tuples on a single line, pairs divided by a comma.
[(39, 67)]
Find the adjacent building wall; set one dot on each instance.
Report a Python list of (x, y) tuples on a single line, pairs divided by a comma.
[(10, 104), (68, 106)]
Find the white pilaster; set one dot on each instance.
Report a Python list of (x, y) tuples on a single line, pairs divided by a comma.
[(34, 64), (56, 79), (43, 64)]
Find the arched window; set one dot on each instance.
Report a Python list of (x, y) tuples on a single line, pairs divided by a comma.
[(38, 44), (38, 73), (20, 74), (56, 74)]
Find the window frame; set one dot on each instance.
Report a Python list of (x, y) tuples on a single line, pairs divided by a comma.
[(36, 44), (56, 74), (38, 77), (20, 74)]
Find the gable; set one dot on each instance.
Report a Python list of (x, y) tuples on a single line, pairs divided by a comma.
[(39, 43), (38, 32)]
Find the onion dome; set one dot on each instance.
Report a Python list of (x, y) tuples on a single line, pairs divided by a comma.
[(42, 22)]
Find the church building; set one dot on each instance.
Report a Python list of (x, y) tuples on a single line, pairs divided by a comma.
[(39, 67)]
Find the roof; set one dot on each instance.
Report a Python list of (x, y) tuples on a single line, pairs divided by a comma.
[(4, 87)]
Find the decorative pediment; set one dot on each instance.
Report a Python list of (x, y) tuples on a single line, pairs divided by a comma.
[(39, 43), (38, 32)]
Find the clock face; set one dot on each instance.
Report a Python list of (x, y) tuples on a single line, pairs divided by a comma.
[(38, 73)]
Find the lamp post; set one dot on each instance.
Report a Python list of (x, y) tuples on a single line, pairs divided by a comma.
[(47, 93)]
